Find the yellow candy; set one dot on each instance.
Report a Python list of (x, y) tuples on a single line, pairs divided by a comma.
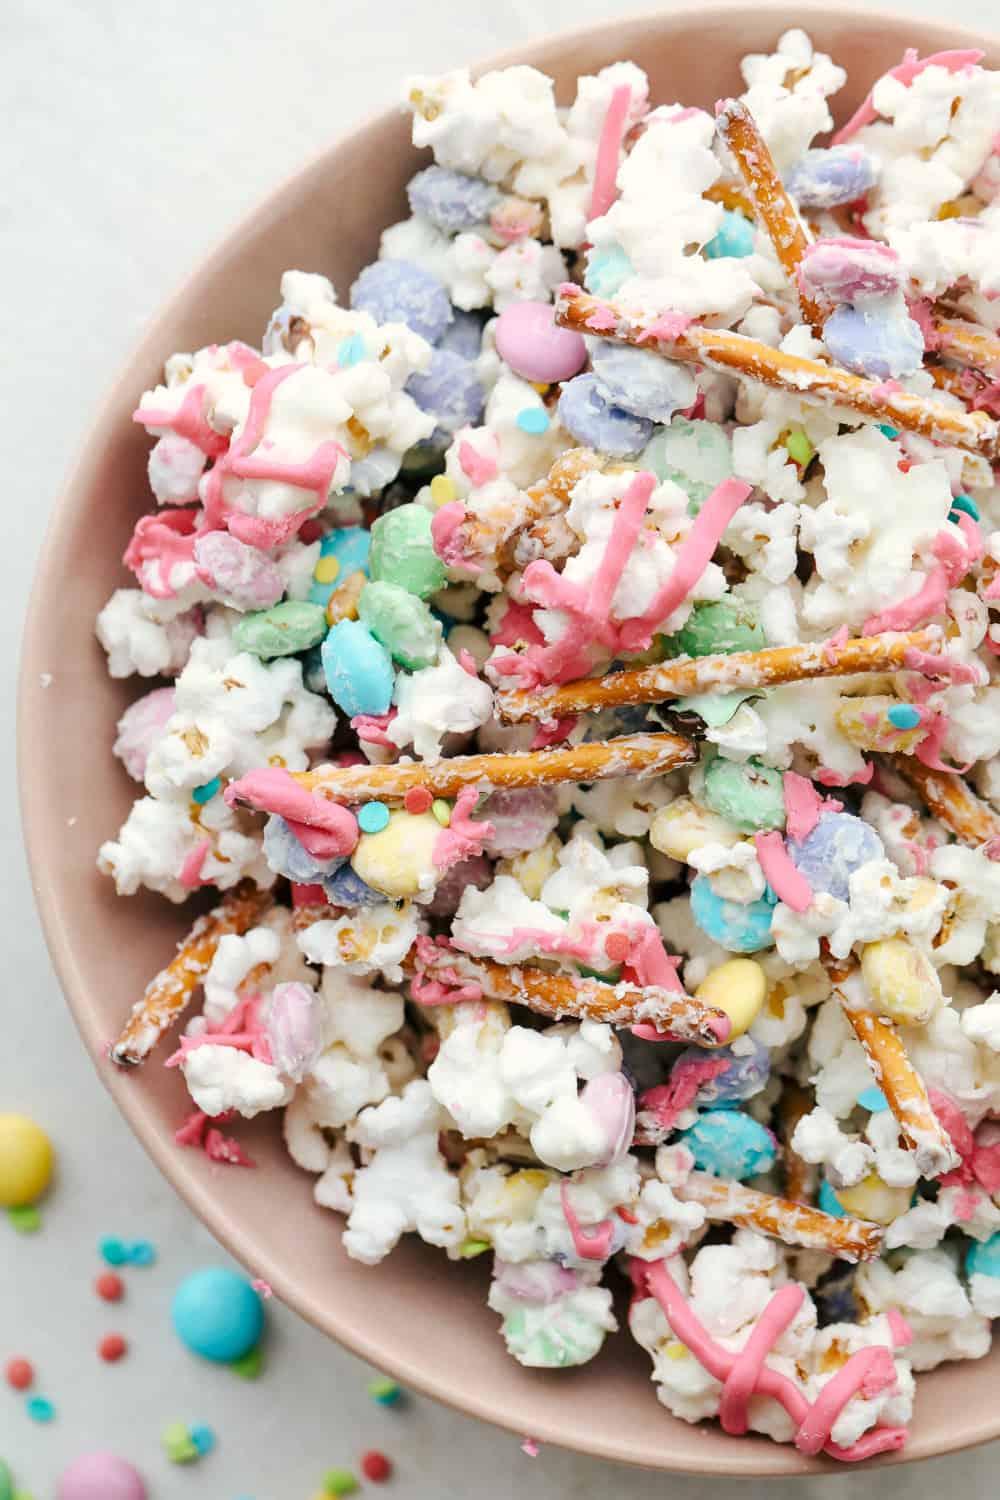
[(522, 1191), (900, 980), (442, 490), (684, 825), (399, 860), (533, 869), (738, 987), (875, 1200), (26, 1160), (326, 570)]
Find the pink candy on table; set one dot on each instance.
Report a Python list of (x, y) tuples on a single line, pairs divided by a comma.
[(534, 347), (101, 1476)]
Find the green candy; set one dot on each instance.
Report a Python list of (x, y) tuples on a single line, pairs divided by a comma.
[(403, 552), (749, 796), (695, 455), (339, 1482), (552, 1336), (282, 631), (6, 1482), (717, 629), (177, 1444), (402, 622)]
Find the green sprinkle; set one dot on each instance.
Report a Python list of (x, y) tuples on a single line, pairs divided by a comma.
[(24, 1220), (469, 1249), (890, 432), (442, 811), (205, 793), (800, 449), (339, 1482), (6, 1482), (607, 976), (533, 420), (292, 626), (385, 1391), (964, 502), (248, 1366)]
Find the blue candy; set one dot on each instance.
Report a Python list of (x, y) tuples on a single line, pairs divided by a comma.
[(734, 926), (217, 1314), (829, 1202), (871, 343), (903, 716), (607, 270), (399, 291), (203, 1439), (464, 334), (589, 418), (350, 545), (346, 888), (826, 177), (730, 1144), (734, 239), (640, 382), (873, 1098), (359, 672), (745, 1075), (450, 392), (451, 200), (836, 847), (286, 856), (983, 1257)]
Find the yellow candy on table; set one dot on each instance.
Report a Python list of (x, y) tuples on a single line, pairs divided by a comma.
[(684, 825), (398, 861), (26, 1160), (874, 1199), (901, 980), (738, 987)]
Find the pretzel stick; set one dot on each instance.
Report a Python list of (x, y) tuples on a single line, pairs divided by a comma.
[(730, 195), (969, 344), (899, 1081), (793, 1223), (167, 995), (714, 674), (737, 127), (952, 803), (806, 379), (630, 755)]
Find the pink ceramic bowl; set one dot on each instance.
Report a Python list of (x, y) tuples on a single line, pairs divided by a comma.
[(424, 1320)]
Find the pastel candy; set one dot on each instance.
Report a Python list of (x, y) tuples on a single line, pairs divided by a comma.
[(983, 1257), (870, 342), (451, 200), (874, 1199), (284, 630), (640, 382), (399, 291), (402, 622), (696, 455), (101, 1476), (731, 1144), (717, 629), (592, 420), (348, 547), (528, 339), (399, 860), (402, 552), (608, 268), (26, 1161), (734, 238), (837, 846), (750, 795), (829, 1202), (738, 987), (552, 1335), (735, 926), (244, 576), (286, 855), (828, 176), (745, 1075), (346, 888), (139, 728), (448, 390), (358, 669), (464, 335), (845, 269), (217, 1314)]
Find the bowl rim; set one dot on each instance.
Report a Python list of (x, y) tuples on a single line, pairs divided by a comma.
[(358, 1338)]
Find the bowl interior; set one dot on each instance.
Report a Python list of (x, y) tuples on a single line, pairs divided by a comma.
[(415, 1315)]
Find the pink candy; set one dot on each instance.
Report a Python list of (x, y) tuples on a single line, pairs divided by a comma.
[(244, 575), (140, 726), (845, 269), (534, 347), (610, 1100), (293, 1029), (101, 1476)]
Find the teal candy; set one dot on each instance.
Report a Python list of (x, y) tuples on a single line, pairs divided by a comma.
[(873, 1098), (983, 1257), (403, 551), (749, 796), (607, 270), (966, 503), (735, 926), (402, 622), (729, 625), (358, 669), (829, 1202), (696, 455), (217, 1314), (350, 546), (728, 1143), (734, 239), (903, 716), (283, 630)]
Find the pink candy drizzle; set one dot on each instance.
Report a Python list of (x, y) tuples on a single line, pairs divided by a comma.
[(786, 881), (609, 147), (910, 68)]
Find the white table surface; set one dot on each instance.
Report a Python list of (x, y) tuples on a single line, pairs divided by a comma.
[(134, 135)]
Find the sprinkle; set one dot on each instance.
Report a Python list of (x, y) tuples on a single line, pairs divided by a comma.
[(966, 503), (142, 1253), (109, 1287), (443, 490), (205, 793), (352, 350), (262, 1288), (177, 1444), (800, 449), (676, 1350), (114, 1252), (417, 800), (19, 1373), (533, 420), (203, 1439), (112, 1348), (375, 1466), (617, 947), (339, 1482), (40, 1409), (373, 817), (326, 570), (385, 1391), (469, 1249), (529, 1446), (890, 432), (249, 1365), (442, 811), (24, 1220), (903, 716), (873, 1098)]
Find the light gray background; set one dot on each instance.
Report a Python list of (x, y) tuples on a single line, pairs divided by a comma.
[(134, 134)]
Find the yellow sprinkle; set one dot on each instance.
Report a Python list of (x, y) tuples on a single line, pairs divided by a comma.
[(326, 570), (677, 1351), (442, 489), (442, 811)]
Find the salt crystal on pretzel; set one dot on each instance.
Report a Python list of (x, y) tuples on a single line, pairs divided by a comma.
[(807, 379), (970, 819), (782, 1219), (167, 995), (736, 671)]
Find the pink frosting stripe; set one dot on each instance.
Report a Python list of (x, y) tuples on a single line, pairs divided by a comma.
[(910, 68), (463, 837), (324, 828), (734, 1416), (477, 467), (786, 881), (589, 1244), (188, 421), (667, 1101), (604, 191), (166, 538), (802, 805), (190, 871), (446, 535)]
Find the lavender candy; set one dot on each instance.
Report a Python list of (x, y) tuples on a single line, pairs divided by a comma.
[(828, 176), (399, 291), (293, 1029), (882, 344), (836, 847), (450, 392), (597, 423), (451, 200), (641, 383), (464, 334), (346, 888), (286, 856), (745, 1075)]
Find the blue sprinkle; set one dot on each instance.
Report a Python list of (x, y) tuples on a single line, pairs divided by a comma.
[(734, 239), (205, 793), (142, 1253), (352, 350), (40, 1409), (452, 200), (590, 418), (373, 817), (829, 1202), (964, 502), (400, 291), (113, 1252), (203, 1439), (873, 1098), (533, 419), (890, 432), (903, 716)]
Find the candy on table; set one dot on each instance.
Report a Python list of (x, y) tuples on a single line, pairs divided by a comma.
[(385, 1391), (112, 1348), (794, 1223), (168, 995), (101, 1476), (19, 1374), (339, 1482), (375, 1466), (217, 1314), (26, 1161)]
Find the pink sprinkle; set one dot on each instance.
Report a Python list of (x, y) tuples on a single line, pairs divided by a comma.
[(802, 805), (476, 466), (670, 325), (307, 895), (602, 320), (826, 777), (226, 1150), (372, 728), (553, 732), (191, 1132), (530, 1447), (190, 871), (604, 190), (417, 800), (836, 643), (910, 68), (786, 881), (883, 389), (262, 1288)]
